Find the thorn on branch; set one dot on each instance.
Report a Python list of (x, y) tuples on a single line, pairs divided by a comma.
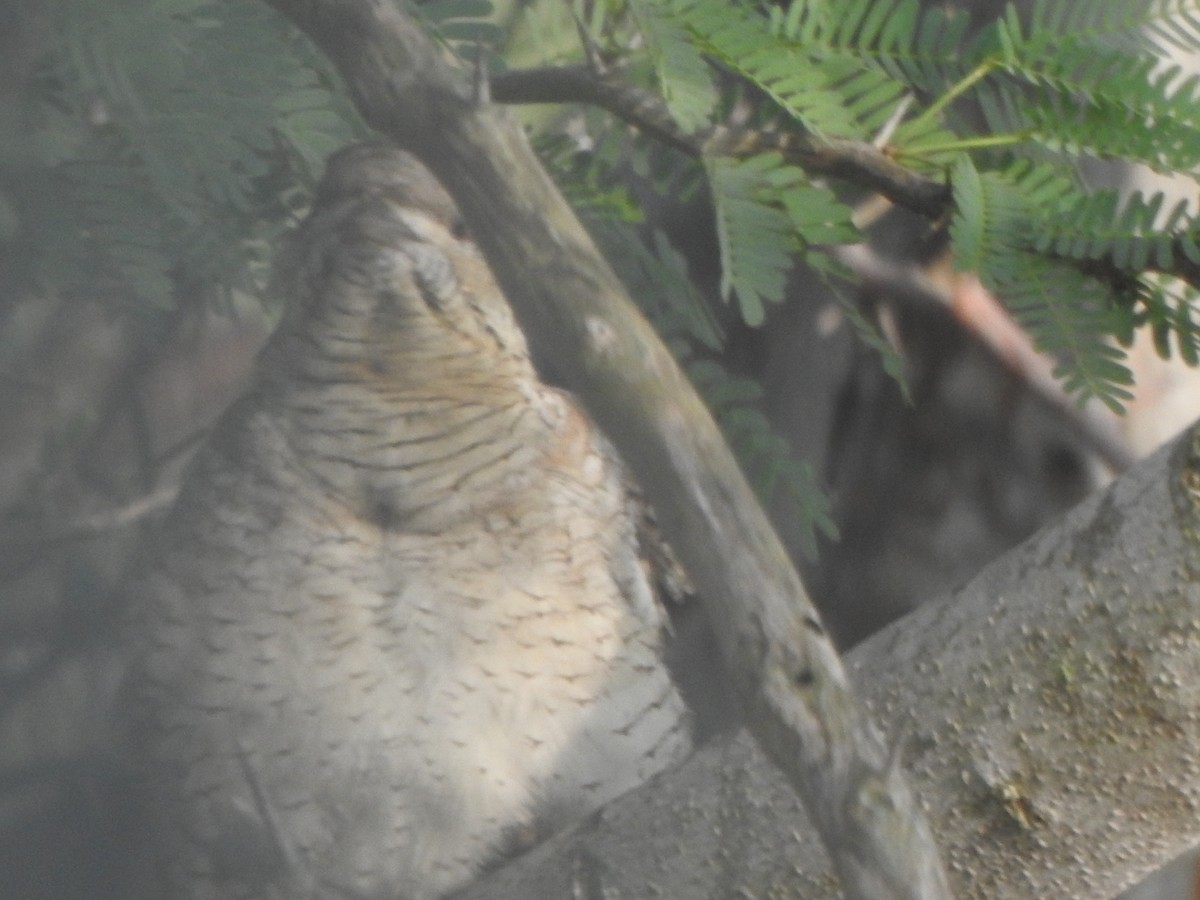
[(21, 548), (591, 50), (481, 85), (884, 135), (857, 162)]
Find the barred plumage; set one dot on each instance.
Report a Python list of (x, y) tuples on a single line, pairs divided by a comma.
[(398, 623)]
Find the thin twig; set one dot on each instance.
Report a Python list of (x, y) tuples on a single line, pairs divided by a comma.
[(866, 164), (858, 161), (991, 325), (116, 517)]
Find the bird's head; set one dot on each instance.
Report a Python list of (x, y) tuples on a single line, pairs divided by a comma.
[(382, 275)]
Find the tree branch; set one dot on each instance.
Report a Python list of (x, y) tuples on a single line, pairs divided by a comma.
[(858, 162), (576, 314), (986, 319), (1052, 709)]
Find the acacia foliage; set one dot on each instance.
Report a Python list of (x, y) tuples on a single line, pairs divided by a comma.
[(1005, 113), (159, 148)]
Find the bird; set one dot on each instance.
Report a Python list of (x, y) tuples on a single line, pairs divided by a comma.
[(397, 626)]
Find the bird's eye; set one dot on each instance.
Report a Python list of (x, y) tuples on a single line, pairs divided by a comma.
[(458, 228)]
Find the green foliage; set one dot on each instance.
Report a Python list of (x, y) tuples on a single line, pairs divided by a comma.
[(1133, 235), (158, 148), (756, 237), (1007, 112), (656, 274), (821, 95), (1130, 230), (682, 73), (1168, 308), (1042, 243), (998, 232), (459, 21), (1070, 83), (148, 160), (765, 456), (767, 214)]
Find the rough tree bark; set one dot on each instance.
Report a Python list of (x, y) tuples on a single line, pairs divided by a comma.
[(577, 316), (1050, 714)]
